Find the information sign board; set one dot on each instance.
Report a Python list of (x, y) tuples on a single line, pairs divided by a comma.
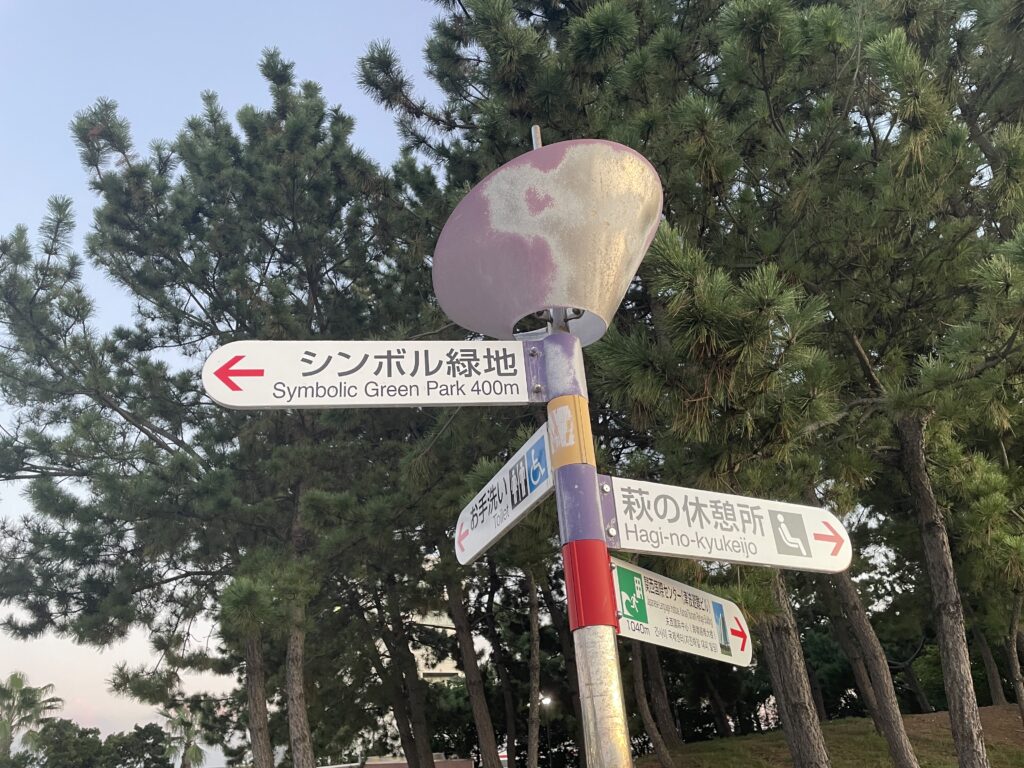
[(705, 525), (351, 374), (669, 613), (519, 486)]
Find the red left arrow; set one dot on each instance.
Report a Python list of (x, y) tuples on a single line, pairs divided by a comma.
[(227, 373), (740, 633), (463, 535), (832, 536)]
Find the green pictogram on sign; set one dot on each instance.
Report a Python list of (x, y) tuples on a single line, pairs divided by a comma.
[(631, 595)]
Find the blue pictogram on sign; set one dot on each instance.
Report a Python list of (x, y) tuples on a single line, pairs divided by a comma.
[(537, 464)]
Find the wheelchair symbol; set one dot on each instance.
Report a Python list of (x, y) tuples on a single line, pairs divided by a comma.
[(538, 469)]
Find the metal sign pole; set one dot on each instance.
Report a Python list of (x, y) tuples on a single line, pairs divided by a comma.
[(590, 593), (560, 231), (588, 577)]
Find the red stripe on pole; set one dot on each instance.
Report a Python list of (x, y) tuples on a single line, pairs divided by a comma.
[(588, 584)]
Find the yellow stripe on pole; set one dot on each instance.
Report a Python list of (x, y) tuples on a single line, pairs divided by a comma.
[(572, 442)]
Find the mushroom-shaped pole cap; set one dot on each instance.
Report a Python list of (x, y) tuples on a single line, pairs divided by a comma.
[(564, 226)]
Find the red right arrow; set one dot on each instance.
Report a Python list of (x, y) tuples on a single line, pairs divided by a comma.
[(740, 633), (227, 373), (833, 536), (463, 535)]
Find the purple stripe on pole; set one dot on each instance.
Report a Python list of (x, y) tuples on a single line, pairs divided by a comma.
[(563, 363), (579, 512)]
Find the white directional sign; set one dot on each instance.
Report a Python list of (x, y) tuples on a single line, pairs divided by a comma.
[(350, 374), (704, 525), (672, 614), (523, 483)]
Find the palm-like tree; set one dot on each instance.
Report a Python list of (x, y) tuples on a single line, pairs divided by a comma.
[(183, 734), (22, 708)]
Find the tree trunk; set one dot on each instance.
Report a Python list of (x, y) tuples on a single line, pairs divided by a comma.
[(816, 694), (786, 668), (947, 610), (509, 703), (758, 718), (390, 680), (718, 710), (851, 650), (299, 736), (640, 694), (415, 690), (474, 680), (256, 694), (533, 723), (889, 718), (499, 660), (992, 675), (561, 625), (915, 688), (400, 711), (867, 693), (298, 719), (405, 735), (661, 707), (743, 719), (1011, 654)]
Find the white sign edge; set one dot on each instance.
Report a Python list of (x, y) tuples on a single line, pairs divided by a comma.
[(517, 516), (736, 609), (617, 545), (207, 377)]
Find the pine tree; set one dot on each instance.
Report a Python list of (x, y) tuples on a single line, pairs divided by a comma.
[(841, 143), (282, 231)]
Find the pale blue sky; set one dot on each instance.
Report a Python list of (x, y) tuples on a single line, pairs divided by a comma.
[(155, 59)]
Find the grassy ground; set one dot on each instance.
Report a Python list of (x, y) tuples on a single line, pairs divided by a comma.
[(853, 743)]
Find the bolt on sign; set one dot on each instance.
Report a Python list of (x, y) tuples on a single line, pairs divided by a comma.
[(519, 486), (674, 615), (351, 374), (682, 522)]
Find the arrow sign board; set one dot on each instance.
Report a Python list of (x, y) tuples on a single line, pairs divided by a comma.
[(674, 615), (350, 374), (704, 525), (523, 483)]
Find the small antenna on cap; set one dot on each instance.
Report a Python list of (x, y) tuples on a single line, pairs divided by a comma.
[(535, 135)]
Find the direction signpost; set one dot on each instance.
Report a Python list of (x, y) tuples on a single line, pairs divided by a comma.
[(674, 615), (557, 232), (360, 374), (519, 486), (706, 525)]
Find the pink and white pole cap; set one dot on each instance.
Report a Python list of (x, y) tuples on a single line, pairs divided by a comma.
[(562, 227)]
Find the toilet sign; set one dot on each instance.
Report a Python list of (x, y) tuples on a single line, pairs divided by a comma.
[(519, 486), (705, 525), (674, 615)]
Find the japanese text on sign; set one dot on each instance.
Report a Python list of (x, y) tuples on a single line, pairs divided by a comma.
[(664, 519), (658, 610), (520, 485), (344, 374), (714, 513)]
